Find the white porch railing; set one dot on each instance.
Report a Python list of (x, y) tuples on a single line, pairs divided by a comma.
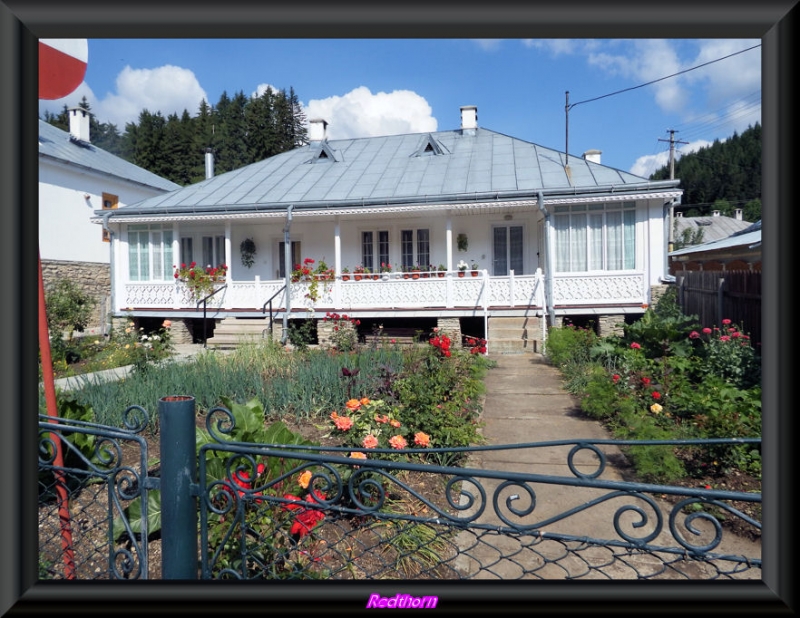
[(393, 291)]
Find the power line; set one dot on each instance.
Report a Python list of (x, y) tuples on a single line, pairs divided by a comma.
[(660, 79)]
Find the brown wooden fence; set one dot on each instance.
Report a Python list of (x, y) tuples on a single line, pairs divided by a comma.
[(716, 295)]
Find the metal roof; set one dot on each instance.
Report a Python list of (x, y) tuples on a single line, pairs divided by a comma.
[(421, 168), (749, 238), (57, 144), (714, 227)]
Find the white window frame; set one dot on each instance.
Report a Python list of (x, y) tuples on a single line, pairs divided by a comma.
[(595, 237), (156, 250), (415, 248)]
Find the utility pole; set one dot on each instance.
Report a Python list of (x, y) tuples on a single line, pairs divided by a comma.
[(672, 141)]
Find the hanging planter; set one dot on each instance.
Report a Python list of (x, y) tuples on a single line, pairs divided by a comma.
[(462, 242), (248, 250)]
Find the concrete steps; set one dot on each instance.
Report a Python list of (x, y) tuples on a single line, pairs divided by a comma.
[(513, 335), (232, 332)]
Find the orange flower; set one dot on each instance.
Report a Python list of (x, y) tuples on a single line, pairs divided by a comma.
[(334, 415), (166, 324), (304, 479), (353, 405), (343, 423), (398, 442), (394, 423), (365, 401), (422, 439), (358, 455), (381, 419), (370, 441)]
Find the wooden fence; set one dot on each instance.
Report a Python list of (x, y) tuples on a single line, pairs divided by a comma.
[(716, 295)]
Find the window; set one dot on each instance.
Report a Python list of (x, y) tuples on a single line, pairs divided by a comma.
[(150, 253), (507, 250), (187, 250), (213, 251), (282, 257), (415, 248), (110, 202), (595, 237), (373, 256)]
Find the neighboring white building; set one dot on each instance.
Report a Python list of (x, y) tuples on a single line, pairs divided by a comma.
[(554, 236), (75, 179)]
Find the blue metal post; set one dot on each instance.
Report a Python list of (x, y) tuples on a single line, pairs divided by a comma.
[(179, 544)]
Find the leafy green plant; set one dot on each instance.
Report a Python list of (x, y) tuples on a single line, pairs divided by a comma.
[(69, 309), (302, 333)]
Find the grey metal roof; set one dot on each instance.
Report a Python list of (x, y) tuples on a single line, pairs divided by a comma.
[(750, 239), (399, 169), (714, 228), (55, 143)]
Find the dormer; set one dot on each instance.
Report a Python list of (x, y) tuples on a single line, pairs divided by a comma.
[(429, 147), (321, 152)]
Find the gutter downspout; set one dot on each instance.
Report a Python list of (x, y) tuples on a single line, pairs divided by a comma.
[(112, 308), (548, 275), (287, 260)]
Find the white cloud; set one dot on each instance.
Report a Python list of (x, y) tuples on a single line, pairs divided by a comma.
[(360, 113), (488, 44), (556, 47), (167, 89), (648, 164), (261, 89)]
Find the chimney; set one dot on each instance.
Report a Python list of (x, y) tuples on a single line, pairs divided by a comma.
[(715, 213), (209, 163), (469, 119), (592, 155), (679, 214), (738, 214), (317, 128), (79, 124)]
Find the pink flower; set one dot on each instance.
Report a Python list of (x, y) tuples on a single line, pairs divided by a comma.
[(369, 442), (398, 442), (694, 335), (726, 321), (422, 439), (635, 346), (343, 423), (706, 331), (725, 338)]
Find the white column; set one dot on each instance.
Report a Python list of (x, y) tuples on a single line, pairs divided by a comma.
[(337, 249), (449, 261)]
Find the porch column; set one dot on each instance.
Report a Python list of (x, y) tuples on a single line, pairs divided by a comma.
[(337, 248), (176, 252), (449, 242), (228, 303)]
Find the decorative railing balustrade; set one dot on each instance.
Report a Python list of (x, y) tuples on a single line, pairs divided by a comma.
[(393, 290), (415, 514)]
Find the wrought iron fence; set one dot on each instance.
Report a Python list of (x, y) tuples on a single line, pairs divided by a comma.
[(272, 511)]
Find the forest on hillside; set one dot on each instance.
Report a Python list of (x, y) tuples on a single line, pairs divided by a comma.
[(240, 130), (723, 176)]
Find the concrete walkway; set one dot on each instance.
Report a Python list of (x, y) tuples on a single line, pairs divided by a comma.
[(525, 402)]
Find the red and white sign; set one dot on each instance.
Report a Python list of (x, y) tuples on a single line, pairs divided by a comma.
[(62, 66)]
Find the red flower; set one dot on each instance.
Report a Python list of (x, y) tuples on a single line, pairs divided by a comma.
[(305, 517), (726, 321), (615, 378), (645, 381), (635, 346), (694, 335), (656, 395)]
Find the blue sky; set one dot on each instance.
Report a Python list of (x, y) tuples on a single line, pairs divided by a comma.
[(364, 87)]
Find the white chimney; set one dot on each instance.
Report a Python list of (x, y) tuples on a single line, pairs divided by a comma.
[(469, 119), (738, 214), (678, 214), (715, 213), (592, 155), (79, 124), (209, 163), (317, 128)]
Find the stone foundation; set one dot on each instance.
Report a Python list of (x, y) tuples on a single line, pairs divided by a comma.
[(450, 327), (608, 325)]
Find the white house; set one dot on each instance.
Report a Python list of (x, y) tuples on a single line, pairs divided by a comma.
[(553, 236), (75, 179)]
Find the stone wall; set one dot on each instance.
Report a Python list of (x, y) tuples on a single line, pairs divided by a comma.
[(93, 278), (450, 327), (608, 325)]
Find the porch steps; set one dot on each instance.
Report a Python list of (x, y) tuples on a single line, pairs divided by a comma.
[(232, 332), (513, 335)]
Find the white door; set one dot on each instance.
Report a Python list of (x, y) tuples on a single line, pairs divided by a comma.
[(507, 250)]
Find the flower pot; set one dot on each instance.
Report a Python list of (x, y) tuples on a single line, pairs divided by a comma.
[(425, 275), (415, 275), (357, 277), (460, 273), (441, 275), (376, 277), (474, 273), (406, 276), (345, 277)]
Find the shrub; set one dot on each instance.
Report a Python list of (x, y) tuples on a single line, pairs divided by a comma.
[(68, 309), (569, 344)]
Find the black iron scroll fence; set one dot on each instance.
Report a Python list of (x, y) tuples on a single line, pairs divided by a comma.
[(272, 511)]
